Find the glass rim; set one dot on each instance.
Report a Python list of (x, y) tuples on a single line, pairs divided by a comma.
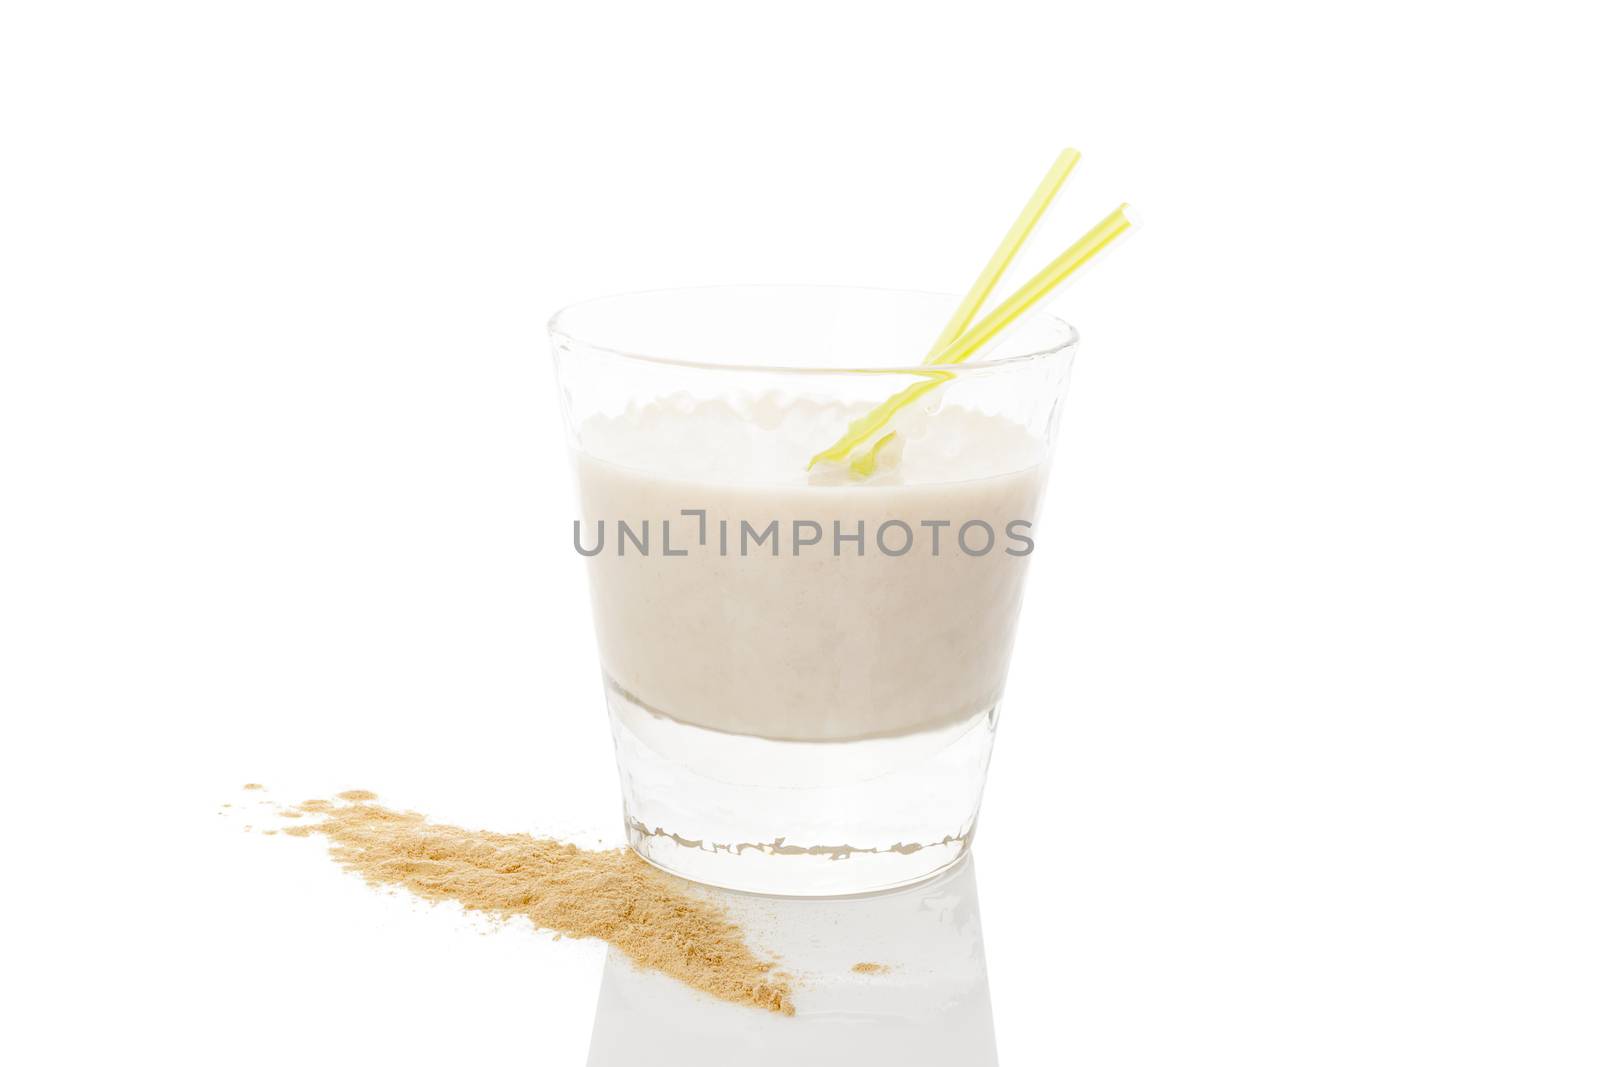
[(1064, 344)]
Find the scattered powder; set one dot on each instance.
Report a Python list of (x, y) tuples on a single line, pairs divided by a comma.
[(871, 968), (612, 895), (254, 785)]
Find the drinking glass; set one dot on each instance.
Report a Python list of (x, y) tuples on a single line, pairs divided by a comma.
[(803, 659)]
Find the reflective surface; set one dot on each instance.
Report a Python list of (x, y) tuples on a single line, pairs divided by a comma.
[(928, 1004)]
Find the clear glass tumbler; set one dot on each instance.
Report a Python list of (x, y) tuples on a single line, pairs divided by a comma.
[(803, 660)]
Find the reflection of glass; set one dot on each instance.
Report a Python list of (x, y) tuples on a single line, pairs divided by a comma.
[(803, 664), (929, 1007)]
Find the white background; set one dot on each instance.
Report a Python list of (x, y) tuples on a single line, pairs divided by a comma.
[(1299, 758)]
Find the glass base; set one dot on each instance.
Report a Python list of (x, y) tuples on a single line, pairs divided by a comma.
[(798, 818)]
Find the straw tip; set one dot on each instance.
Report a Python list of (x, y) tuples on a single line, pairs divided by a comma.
[(1133, 217)]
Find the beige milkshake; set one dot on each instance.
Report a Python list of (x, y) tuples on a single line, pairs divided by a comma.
[(800, 611), (803, 661)]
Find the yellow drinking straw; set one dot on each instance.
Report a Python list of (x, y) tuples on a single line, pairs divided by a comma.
[(1010, 245), (1036, 288), (1032, 292), (987, 279)]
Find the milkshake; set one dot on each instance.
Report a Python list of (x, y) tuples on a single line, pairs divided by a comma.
[(799, 611), (802, 662)]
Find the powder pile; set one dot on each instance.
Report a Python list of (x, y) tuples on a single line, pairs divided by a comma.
[(611, 895), (871, 968)]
